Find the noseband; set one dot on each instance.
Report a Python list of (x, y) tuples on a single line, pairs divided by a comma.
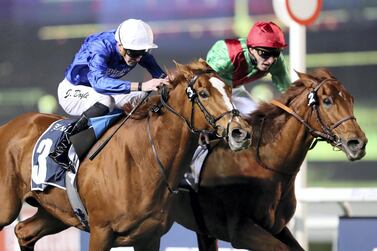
[(327, 133)]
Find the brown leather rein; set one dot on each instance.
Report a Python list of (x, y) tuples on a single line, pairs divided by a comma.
[(326, 135)]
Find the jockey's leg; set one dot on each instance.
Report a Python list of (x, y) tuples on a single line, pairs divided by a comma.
[(246, 105), (60, 155), (200, 155)]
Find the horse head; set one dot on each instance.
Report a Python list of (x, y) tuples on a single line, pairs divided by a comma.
[(331, 116), (211, 109), (254, 189)]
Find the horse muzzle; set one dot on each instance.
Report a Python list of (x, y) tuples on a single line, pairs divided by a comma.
[(239, 139), (354, 148)]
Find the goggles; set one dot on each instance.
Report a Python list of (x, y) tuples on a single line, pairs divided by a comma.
[(136, 53), (267, 53)]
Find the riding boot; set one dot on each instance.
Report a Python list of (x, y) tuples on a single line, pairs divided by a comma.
[(60, 155)]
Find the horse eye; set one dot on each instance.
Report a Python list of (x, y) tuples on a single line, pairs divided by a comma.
[(327, 101), (204, 94)]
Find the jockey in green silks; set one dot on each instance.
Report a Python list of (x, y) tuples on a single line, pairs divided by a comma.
[(243, 60)]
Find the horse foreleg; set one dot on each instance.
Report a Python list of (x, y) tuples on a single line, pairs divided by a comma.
[(245, 234), (286, 236), (10, 204), (101, 238), (150, 245), (206, 243), (32, 229), (9, 214)]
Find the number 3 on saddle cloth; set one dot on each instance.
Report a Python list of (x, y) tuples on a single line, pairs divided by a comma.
[(45, 171)]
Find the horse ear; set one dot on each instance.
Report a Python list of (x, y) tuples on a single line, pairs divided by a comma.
[(184, 69), (201, 60), (175, 62), (180, 67), (205, 65), (304, 76), (322, 73)]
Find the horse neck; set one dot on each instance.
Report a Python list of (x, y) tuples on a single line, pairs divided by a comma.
[(174, 136), (291, 143)]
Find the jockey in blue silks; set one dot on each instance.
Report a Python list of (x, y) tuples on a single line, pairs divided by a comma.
[(92, 86)]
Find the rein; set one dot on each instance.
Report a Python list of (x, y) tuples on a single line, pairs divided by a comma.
[(325, 135), (160, 165), (193, 97)]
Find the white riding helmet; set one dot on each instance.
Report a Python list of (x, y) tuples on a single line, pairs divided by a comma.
[(134, 34)]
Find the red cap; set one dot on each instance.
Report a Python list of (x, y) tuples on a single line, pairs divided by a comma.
[(264, 34)]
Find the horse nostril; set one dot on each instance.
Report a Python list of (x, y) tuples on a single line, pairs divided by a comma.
[(239, 134), (354, 144)]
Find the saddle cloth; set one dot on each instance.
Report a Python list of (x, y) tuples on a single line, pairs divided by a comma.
[(44, 170), (47, 172)]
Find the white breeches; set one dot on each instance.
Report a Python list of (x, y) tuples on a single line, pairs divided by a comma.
[(76, 99), (243, 101)]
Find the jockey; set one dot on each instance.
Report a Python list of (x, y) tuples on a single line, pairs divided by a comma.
[(243, 60), (92, 86)]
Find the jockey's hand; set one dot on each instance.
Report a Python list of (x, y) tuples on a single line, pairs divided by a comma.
[(154, 84)]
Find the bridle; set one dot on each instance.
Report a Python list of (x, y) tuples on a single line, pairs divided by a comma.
[(193, 97), (212, 120), (327, 134)]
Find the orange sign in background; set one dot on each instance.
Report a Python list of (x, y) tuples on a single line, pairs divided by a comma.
[(304, 12)]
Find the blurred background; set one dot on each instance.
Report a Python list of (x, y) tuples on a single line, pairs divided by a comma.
[(40, 37)]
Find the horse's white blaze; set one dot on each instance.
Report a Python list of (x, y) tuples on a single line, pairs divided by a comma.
[(220, 86)]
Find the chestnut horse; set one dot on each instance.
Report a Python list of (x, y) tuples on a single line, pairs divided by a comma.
[(127, 194), (247, 198)]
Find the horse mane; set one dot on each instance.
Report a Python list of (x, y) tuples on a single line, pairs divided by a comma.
[(269, 111), (179, 76)]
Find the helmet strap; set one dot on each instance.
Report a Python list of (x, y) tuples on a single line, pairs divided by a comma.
[(253, 59), (122, 51)]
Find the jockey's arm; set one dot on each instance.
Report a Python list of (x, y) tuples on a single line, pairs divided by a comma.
[(280, 75), (218, 59), (97, 74), (105, 85), (150, 64)]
